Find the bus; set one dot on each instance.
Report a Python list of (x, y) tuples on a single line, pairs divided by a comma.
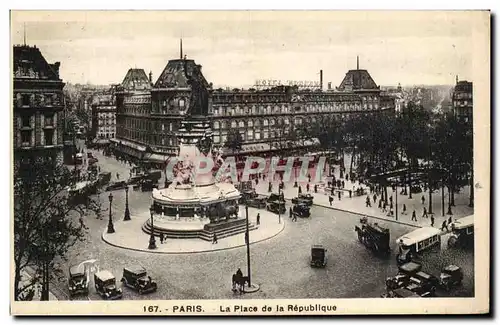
[(414, 243)]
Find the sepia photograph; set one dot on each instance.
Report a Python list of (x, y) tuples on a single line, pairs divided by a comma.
[(250, 162)]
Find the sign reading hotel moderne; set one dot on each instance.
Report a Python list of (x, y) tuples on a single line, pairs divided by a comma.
[(274, 83)]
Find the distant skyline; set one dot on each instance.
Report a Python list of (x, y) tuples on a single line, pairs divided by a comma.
[(236, 48)]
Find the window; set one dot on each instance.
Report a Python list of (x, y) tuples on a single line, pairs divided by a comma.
[(266, 122), (216, 138), (163, 126), (216, 125), (233, 124), (162, 141), (257, 123), (170, 127), (287, 121), (49, 137), (26, 138), (250, 123), (222, 125), (26, 100), (241, 124), (266, 134), (250, 134), (25, 120), (182, 103), (257, 135)]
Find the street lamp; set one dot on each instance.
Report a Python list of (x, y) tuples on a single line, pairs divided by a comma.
[(127, 211), (279, 204), (111, 228), (247, 240), (152, 241)]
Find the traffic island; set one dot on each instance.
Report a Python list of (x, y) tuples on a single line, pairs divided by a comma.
[(129, 235), (251, 289)]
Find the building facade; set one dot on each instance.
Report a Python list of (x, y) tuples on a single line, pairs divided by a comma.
[(462, 101), (148, 119), (104, 116), (38, 104)]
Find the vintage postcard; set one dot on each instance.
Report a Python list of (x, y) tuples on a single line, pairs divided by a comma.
[(250, 162)]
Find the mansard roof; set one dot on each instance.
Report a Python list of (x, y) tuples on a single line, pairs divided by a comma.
[(177, 74), (29, 63), (136, 79), (358, 80)]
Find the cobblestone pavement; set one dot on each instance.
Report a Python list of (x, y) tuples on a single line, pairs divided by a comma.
[(279, 265)]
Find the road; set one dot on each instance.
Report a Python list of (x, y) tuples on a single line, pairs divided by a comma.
[(280, 265)]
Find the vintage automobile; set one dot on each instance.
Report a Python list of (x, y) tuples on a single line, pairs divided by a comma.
[(276, 198), (78, 159), (136, 277), (104, 178), (400, 293), (304, 199), (462, 232), (120, 185), (78, 280), (402, 279), (135, 179), (252, 199), (301, 210), (92, 160), (89, 155), (147, 185), (422, 287), (451, 276), (373, 236), (318, 256), (105, 285), (154, 175), (276, 207), (413, 244)]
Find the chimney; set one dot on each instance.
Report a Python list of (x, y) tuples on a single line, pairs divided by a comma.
[(56, 67), (150, 77), (329, 85), (321, 79)]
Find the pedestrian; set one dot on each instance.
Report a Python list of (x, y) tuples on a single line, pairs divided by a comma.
[(450, 221), (432, 221), (331, 191), (258, 219), (444, 226), (414, 216), (307, 187), (423, 200), (309, 178), (290, 212), (385, 206), (390, 205), (339, 195), (214, 241), (343, 184), (294, 219), (374, 197), (350, 194), (300, 190), (346, 177), (425, 213), (368, 203), (270, 187), (256, 181), (390, 199), (161, 238), (315, 188), (380, 204), (404, 208), (330, 198)]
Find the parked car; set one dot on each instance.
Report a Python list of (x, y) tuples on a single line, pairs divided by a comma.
[(276, 198), (303, 199), (136, 179), (302, 210), (136, 277), (148, 185), (252, 199), (276, 207), (92, 160), (318, 256), (120, 185), (105, 285), (451, 276), (78, 280), (104, 178)]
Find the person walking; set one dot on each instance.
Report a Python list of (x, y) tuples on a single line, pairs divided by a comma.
[(390, 200), (343, 184), (414, 216), (404, 208), (300, 189), (368, 203), (423, 200), (309, 177), (214, 241), (339, 195), (350, 194), (380, 204), (432, 221), (270, 187), (374, 196), (385, 206), (258, 219), (444, 226), (307, 187), (161, 238), (331, 191), (294, 219), (425, 213), (290, 212), (330, 198), (450, 221), (315, 188)]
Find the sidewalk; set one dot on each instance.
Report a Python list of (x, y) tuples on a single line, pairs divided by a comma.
[(357, 204), (129, 235)]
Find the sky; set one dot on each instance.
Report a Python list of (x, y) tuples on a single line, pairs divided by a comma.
[(237, 48)]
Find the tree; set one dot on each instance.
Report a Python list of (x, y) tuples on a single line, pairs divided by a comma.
[(234, 141), (47, 221)]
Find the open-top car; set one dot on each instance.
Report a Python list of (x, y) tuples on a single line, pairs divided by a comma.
[(105, 285), (252, 199), (120, 185), (306, 199), (136, 277), (301, 210), (318, 256), (451, 276), (78, 280)]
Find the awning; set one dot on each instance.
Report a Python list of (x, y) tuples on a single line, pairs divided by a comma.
[(128, 144), (156, 158)]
